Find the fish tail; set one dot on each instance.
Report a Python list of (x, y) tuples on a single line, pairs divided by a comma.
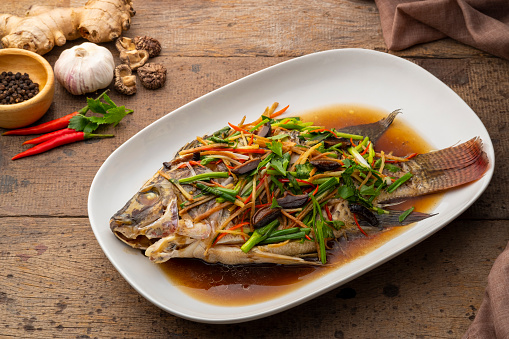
[(440, 170), (453, 166)]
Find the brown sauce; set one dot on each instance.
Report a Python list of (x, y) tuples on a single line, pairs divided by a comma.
[(244, 285)]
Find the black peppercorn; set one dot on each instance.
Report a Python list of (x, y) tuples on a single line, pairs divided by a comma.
[(16, 88)]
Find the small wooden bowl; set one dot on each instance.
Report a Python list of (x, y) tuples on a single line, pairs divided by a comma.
[(40, 71)]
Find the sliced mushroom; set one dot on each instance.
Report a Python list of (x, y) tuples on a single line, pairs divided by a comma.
[(134, 58), (125, 81), (332, 141), (265, 130), (325, 164), (292, 201), (246, 167), (151, 45), (152, 76), (264, 216)]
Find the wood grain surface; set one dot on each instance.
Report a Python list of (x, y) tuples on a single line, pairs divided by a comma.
[(55, 281)]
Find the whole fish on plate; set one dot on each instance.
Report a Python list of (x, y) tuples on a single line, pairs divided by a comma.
[(278, 190)]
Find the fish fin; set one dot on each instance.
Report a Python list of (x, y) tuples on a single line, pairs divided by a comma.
[(372, 130), (391, 219)]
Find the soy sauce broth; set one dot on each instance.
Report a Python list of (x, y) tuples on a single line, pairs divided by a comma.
[(244, 285)]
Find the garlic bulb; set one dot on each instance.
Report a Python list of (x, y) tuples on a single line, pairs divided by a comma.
[(85, 68)]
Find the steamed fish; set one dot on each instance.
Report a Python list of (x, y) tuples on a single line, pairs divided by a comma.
[(278, 190)]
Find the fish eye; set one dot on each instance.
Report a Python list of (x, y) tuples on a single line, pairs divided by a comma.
[(149, 197)]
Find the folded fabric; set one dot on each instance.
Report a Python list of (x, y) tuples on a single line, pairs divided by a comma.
[(492, 318), (483, 24)]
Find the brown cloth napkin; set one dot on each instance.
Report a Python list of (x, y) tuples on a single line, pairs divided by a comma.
[(492, 319), (483, 24)]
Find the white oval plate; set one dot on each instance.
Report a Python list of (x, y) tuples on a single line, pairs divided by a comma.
[(309, 82)]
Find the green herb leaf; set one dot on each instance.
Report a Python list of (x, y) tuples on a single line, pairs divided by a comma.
[(276, 146), (346, 192), (368, 190), (405, 214), (392, 168), (274, 204)]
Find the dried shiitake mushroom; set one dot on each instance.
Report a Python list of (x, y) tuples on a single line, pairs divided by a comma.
[(152, 76), (151, 45), (129, 54), (123, 43), (125, 81)]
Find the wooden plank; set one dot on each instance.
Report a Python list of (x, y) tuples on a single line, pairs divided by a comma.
[(66, 173), (56, 281), (286, 28)]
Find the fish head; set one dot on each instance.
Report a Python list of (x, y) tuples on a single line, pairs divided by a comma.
[(151, 213)]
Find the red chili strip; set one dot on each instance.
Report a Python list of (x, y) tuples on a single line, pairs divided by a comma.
[(305, 182), (231, 229), (316, 190), (238, 150), (359, 226), (263, 205), (329, 215), (49, 136), (366, 149), (239, 129), (323, 130), (278, 113), (257, 188), (59, 141), (196, 163)]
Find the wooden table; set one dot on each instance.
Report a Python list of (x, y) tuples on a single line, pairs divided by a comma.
[(55, 280)]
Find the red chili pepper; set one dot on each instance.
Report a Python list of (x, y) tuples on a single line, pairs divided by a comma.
[(49, 126), (49, 136), (59, 141)]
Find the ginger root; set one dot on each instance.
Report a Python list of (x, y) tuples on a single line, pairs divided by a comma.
[(44, 27)]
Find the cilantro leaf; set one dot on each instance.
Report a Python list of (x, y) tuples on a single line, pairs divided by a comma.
[(82, 123), (276, 146), (346, 192), (112, 116), (368, 190)]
